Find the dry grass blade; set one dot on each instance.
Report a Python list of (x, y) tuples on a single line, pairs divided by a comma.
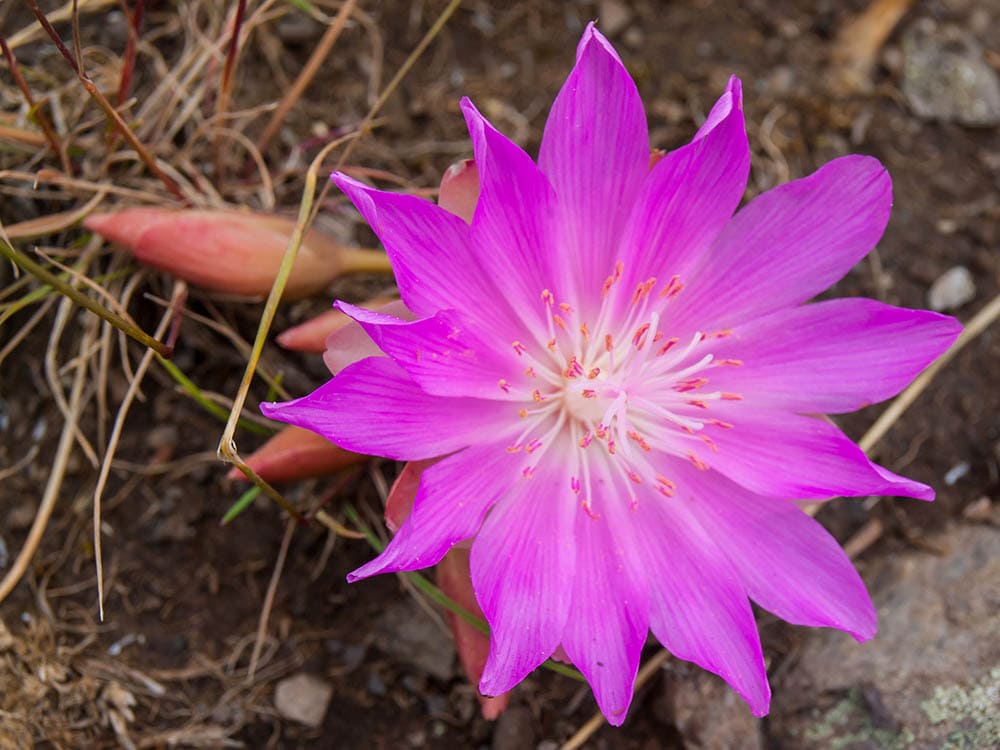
[(308, 73), (226, 82), (870, 532), (81, 299), (56, 474), (410, 61), (54, 223), (112, 114), (180, 291), (43, 121), (272, 590), (65, 13)]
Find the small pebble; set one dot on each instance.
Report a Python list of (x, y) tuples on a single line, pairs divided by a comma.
[(952, 289), (956, 472), (979, 510), (303, 698)]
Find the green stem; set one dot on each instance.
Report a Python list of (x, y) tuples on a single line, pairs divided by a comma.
[(47, 277)]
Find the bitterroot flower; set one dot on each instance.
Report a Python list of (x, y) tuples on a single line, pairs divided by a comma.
[(624, 383)]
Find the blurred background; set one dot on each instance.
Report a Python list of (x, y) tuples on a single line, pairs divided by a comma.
[(246, 635)]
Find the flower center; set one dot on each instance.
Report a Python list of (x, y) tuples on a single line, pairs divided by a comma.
[(619, 392)]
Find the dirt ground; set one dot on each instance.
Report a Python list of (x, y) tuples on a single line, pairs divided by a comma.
[(169, 664)]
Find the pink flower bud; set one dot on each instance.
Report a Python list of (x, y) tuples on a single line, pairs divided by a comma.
[(295, 454), (311, 336), (231, 251)]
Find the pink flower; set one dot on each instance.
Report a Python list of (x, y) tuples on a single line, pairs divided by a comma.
[(621, 377)]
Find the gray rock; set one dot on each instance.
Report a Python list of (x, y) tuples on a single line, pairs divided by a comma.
[(406, 632), (952, 289), (515, 730), (929, 679), (706, 711), (303, 698), (946, 78)]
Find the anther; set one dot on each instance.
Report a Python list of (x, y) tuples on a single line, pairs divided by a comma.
[(730, 396), (513, 448), (574, 484), (585, 332), (720, 424), (529, 472), (594, 373), (709, 442), (522, 413), (503, 385), (586, 439), (697, 403), (634, 477), (557, 319), (547, 297), (670, 343), (588, 393), (697, 462), (608, 342), (533, 446), (530, 372), (638, 340), (590, 513), (565, 308), (519, 348), (537, 396), (729, 362), (551, 345)]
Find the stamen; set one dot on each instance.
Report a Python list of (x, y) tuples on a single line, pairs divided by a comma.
[(537, 396), (503, 385), (698, 463), (729, 362), (533, 446), (519, 348), (574, 484), (638, 340), (529, 472), (670, 344), (730, 396), (590, 513), (584, 332)]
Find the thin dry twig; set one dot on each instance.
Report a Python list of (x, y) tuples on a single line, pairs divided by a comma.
[(56, 475), (40, 117), (307, 74), (112, 114), (180, 289), (272, 590)]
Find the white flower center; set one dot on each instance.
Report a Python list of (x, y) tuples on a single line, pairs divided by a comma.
[(618, 390)]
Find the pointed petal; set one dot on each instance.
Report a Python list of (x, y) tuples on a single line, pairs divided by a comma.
[(453, 497), (788, 563), (512, 228), (787, 455), (373, 407), (595, 153), (832, 357), (429, 249), (721, 109), (688, 198), (608, 618), (351, 343), (443, 355), (791, 243), (295, 454), (310, 335), (698, 608), (522, 572)]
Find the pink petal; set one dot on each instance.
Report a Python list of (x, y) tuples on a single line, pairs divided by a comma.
[(522, 572), (351, 343), (698, 608), (513, 228), (720, 111), (786, 455), (429, 249), (688, 198), (832, 357), (443, 355), (595, 153), (373, 407), (453, 497), (790, 243), (788, 563), (609, 614)]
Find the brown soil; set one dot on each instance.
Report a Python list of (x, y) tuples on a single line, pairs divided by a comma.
[(168, 666)]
